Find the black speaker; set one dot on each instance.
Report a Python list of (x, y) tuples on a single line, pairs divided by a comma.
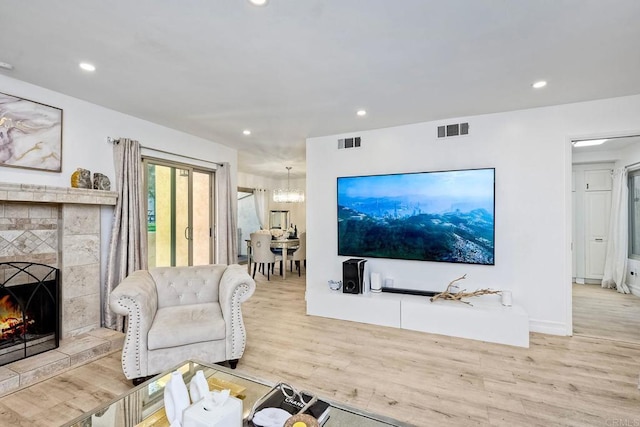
[(353, 276)]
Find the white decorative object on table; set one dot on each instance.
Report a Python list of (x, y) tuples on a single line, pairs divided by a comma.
[(176, 398), (507, 298), (217, 409), (376, 282), (335, 285), (198, 387), (271, 417)]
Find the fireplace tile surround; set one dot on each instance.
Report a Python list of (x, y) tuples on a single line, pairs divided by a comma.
[(60, 227)]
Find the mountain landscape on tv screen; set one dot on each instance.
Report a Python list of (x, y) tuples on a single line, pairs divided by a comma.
[(445, 216), (388, 228)]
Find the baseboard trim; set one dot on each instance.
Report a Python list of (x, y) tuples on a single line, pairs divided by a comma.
[(547, 327), (635, 289)]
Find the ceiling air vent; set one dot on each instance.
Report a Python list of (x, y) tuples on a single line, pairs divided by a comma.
[(349, 142), (456, 129)]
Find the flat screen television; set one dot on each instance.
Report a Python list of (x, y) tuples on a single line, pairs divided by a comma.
[(444, 216)]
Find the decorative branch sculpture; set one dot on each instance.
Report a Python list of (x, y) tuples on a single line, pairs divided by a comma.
[(457, 296)]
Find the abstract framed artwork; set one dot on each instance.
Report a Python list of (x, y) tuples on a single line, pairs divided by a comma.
[(30, 134)]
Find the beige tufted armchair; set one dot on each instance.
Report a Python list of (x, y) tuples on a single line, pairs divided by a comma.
[(180, 313)]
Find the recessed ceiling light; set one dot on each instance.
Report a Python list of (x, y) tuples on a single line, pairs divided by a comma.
[(87, 67), (258, 2), (361, 113), (540, 84), (6, 66), (589, 142), (246, 132)]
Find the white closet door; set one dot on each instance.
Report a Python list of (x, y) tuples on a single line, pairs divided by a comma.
[(597, 212), (598, 180)]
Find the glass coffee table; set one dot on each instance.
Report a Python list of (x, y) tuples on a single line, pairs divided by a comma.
[(143, 406)]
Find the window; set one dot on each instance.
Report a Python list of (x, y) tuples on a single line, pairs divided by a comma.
[(634, 214)]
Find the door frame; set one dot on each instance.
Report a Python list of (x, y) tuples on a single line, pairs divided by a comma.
[(567, 292)]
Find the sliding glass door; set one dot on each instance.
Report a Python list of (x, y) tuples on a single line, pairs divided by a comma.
[(202, 228), (180, 214)]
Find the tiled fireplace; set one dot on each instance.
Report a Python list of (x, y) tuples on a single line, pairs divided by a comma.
[(29, 310), (59, 227)]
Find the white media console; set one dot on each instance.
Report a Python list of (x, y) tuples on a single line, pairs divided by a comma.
[(486, 320)]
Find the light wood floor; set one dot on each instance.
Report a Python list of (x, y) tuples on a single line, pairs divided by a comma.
[(422, 379), (605, 313)]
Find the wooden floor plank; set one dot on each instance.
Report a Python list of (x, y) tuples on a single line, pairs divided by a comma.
[(422, 379)]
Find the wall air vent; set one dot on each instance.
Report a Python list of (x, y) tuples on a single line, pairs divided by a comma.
[(349, 142), (456, 129)]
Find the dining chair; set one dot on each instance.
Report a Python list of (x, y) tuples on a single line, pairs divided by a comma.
[(261, 253), (300, 255)]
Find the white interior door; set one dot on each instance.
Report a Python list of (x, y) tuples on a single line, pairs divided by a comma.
[(598, 180), (597, 213)]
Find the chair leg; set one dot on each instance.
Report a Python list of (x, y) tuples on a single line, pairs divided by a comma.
[(138, 381), (233, 363), (268, 271), (255, 265)]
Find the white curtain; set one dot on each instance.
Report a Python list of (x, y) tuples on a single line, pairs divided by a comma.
[(260, 197), (615, 267), (128, 245), (227, 203)]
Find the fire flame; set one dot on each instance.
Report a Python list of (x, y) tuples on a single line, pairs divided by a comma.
[(12, 323)]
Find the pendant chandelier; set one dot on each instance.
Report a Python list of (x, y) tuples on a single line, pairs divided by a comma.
[(288, 195)]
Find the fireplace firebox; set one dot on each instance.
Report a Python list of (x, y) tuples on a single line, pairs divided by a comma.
[(29, 310)]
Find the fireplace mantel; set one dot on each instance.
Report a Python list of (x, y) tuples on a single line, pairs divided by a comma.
[(10, 192)]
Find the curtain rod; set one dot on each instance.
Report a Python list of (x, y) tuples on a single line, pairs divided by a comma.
[(632, 164), (117, 140)]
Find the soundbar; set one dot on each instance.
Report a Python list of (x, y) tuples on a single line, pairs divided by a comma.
[(410, 292)]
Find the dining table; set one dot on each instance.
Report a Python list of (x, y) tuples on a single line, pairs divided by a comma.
[(284, 244)]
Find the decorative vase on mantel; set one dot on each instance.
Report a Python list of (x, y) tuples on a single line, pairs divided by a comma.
[(101, 182), (81, 178)]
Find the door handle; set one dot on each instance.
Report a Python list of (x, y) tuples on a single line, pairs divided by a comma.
[(187, 233), (599, 240)]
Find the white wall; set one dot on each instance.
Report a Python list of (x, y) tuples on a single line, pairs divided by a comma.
[(85, 130), (530, 150), (633, 265)]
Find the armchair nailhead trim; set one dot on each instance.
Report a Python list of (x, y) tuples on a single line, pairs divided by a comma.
[(128, 345), (236, 321)]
